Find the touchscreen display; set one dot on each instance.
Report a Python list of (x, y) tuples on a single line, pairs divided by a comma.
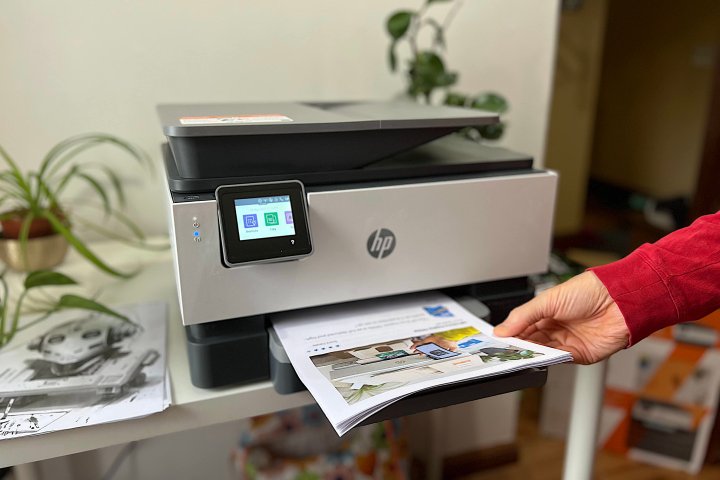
[(264, 217), (263, 222)]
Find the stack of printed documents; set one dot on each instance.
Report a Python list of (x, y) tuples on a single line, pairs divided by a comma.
[(356, 359), (80, 368)]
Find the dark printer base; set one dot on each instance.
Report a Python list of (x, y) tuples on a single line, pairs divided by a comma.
[(228, 352)]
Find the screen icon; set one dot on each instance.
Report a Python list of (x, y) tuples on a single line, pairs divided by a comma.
[(250, 221), (271, 219), (288, 218)]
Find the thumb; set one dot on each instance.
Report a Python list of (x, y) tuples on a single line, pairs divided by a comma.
[(525, 315)]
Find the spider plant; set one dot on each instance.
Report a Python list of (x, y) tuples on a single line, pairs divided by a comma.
[(30, 199), (10, 317)]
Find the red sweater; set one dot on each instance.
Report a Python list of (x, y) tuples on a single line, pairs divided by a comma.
[(676, 279)]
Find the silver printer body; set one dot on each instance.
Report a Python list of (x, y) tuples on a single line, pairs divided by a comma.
[(435, 234), (384, 215)]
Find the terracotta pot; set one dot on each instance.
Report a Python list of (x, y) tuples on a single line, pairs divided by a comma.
[(42, 253), (39, 227)]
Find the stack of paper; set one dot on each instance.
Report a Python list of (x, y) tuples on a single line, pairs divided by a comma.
[(78, 368), (358, 358)]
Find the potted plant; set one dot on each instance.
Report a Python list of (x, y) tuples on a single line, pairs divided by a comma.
[(10, 317), (37, 225), (425, 70)]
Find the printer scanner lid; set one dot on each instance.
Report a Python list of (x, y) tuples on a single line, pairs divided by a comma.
[(253, 139), (223, 119)]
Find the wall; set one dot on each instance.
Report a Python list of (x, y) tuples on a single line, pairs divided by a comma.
[(573, 111), (88, 65), (654, 94)]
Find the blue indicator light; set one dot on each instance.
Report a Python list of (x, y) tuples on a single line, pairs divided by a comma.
[(196, 233)]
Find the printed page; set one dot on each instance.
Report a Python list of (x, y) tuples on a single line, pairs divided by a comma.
[(356, 358), (80, 368)]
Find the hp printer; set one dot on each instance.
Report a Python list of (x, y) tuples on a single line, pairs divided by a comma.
[(285, 206)]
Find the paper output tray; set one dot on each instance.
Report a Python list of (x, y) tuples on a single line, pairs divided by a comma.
[(457, 393)]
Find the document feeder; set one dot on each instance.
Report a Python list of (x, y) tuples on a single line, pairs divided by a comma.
[(285, 206)]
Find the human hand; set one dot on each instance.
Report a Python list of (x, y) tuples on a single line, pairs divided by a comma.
[(577, 316), (439, 341)]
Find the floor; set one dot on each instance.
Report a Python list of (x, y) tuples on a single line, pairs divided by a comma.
[(541, 458)]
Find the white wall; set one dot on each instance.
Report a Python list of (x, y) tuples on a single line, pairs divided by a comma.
[(90, 65)]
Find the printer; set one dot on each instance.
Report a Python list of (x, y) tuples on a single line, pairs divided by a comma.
[(284, 206)]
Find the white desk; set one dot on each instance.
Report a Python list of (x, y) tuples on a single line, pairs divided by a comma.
[(191, 407)]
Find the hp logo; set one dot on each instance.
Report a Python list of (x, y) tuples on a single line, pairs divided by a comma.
[(381, 243)]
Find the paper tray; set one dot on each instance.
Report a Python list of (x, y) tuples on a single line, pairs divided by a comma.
[(457, 393)]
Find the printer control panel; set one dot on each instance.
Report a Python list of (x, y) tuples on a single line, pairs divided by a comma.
[(263, 222)]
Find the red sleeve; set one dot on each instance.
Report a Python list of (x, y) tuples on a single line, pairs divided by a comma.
[(674, 280)]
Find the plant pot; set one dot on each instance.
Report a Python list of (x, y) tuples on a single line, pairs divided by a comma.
[(42, 253), (39, 227)]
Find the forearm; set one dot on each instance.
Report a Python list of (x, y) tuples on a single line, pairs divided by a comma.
[(674, 280)]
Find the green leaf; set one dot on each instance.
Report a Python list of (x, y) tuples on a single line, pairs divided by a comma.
[(126, 221), (78, 302), (429, 63), (24, 235), (392, 57), (15, 172), (491, 102), (44, 278), (455, 99), (69, 148), (64, 181), (493, 131), (427, 72), (98, 189), (398, 23), (446, 79), (80, 247), (116, 183), (9, 184), (114, 235)]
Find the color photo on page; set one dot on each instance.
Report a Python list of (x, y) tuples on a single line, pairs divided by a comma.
[(363, 372)]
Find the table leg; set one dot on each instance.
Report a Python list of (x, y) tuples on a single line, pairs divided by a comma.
[(584, 421)]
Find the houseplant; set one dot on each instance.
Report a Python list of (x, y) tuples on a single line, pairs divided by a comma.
[(10, 317), (38, 226), (426, 71)]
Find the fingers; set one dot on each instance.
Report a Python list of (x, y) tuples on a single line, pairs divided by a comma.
[(526, 315)]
